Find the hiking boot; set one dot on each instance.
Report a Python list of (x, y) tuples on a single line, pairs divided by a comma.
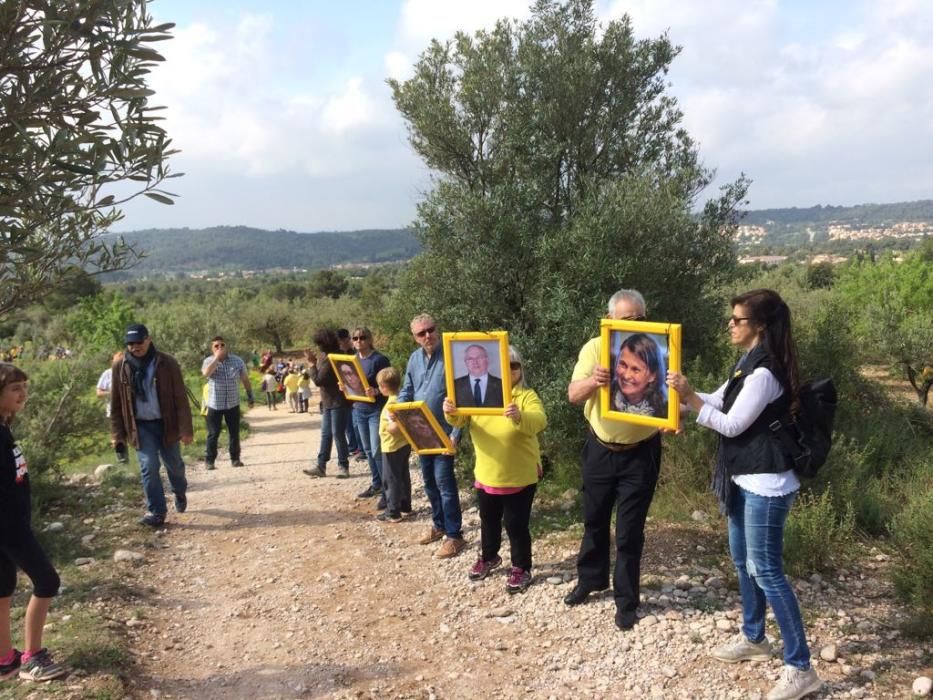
[(370, 492), (450, 547), (236, 463), (740, 649), (433, 535), (152, 520), (181, 502), (388, 517), (210, 465), (41, 667), (795, 683), (481, 569), (625, 619), (7, 670), (518, 580), (343, 473), (314, 472)]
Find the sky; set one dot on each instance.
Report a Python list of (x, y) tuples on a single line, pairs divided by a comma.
[(284, 119)]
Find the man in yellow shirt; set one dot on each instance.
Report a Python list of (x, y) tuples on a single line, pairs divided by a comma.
[(620, 469)]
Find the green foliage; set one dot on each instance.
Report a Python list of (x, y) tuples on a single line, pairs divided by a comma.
[(818, 535), (565, 175), (327, 283), (99, 322), (75, 121), (914, 538)]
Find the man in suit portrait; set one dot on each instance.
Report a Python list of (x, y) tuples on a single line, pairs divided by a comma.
[(478, 389)]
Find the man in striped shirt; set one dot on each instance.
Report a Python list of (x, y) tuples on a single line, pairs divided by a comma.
[(225, 373)]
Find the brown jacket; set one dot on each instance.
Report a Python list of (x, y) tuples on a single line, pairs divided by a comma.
[(173, 402)]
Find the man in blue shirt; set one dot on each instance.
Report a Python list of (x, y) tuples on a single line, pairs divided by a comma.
[(225, 373), (424, 381)]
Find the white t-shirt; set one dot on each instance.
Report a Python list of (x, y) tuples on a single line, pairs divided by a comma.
[(104, 383)]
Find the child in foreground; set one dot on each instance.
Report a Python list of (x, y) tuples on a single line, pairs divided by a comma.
[(396, 479), (19, 548)]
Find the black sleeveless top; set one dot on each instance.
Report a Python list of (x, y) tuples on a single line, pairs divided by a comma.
[(757, 450)]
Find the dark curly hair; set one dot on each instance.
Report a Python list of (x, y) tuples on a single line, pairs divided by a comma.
[(326, 340)]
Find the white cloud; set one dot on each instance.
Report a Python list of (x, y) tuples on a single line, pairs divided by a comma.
[(423, 20)]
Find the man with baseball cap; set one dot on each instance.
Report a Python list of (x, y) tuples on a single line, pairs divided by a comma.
[(149, 410)]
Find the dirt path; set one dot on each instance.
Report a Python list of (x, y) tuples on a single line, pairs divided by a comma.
[(276, 585)]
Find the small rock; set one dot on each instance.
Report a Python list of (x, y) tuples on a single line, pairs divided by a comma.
[(87, 539), (923, 685), (829, 653), (669, 671), (555, 580), (724, 625), (699, 516), (499, 612), (127, 555), (84, 561), (648, 621), (102, 469), (55, 527)]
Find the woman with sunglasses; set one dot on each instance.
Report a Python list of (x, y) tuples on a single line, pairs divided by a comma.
[(366, 414), (755, 483), (508, 466)]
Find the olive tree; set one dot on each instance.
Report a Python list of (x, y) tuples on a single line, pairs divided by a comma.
[(75, 122)]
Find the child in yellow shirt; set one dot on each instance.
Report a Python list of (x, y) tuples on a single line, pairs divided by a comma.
[(396, 478)]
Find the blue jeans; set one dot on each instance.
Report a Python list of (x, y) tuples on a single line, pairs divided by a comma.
[(150, 448), (333, 429), (353, 439), (440, 486), (366, 421), (756, 542)]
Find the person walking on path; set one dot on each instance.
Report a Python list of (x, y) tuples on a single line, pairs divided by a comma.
[(508, 466), (424, 381), (755, 483), (620, 468), (225, 372), (19, 548), (104, 384), (149, 410)]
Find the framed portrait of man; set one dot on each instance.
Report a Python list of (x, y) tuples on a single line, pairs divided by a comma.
[(477, 372), (421, 429), (351, 377), (638, 355)]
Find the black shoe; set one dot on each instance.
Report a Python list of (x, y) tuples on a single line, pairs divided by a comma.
[(315, 472), (381, 503), (152, 520), (236, 463), (181, 502), (210, 465), (388, 517), (579, 594), (370, 492), (625, 619)]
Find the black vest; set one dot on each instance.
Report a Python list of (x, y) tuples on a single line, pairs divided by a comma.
[(758, 450)]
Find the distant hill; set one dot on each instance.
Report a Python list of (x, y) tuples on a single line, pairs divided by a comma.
[(830, 228), (235, 248)]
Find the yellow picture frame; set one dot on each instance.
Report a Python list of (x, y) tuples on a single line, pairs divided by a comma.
[(418, 438), (338, 361), (498, 379), (638, 355)]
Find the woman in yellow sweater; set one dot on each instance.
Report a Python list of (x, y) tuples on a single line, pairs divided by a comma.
[(508, 466)]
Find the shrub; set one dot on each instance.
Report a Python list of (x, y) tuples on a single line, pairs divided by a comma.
[(914, 539), (817, 536)]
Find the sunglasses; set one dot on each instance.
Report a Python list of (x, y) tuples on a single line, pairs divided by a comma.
[(736, 320), (360, 337), (515, 365), (220, 345), (133, 343), (426, 331)]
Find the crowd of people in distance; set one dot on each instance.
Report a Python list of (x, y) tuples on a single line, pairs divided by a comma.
[(753, 479)]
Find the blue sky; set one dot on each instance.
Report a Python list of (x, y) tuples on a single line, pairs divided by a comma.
[(284, 119)]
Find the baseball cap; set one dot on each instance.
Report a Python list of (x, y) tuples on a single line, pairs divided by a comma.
[(136, 333)]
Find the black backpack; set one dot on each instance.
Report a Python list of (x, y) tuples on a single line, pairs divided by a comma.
[(808, 437)]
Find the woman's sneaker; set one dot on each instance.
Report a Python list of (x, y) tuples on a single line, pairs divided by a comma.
[(518, 580), (481, 569), (795, 683), (41, 667), (7, 670), (740, 649)]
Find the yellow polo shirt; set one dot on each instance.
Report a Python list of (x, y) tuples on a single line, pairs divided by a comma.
[(606, 430), (389, 442)]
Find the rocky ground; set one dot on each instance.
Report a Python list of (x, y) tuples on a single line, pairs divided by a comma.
[(276, 585)]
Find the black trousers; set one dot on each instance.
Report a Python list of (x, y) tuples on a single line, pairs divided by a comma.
[(231, 416), (396, 480), (515, 509), (22, 550), (624, 481)]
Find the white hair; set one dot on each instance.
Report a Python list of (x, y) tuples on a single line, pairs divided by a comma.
[(631, 295)]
